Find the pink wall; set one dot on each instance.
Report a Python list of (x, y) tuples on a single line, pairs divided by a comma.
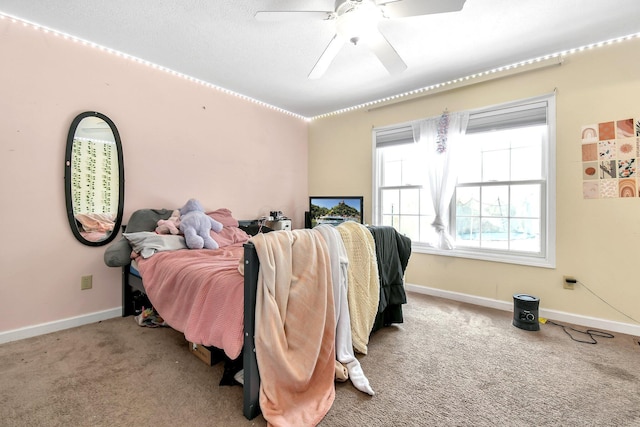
[(180, 140)]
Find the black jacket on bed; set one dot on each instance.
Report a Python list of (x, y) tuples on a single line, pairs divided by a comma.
[(392, 252)]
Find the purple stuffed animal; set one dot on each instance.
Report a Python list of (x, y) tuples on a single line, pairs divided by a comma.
[(196, 226)]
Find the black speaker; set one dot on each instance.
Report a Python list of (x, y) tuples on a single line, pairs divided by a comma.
[(307, 219), (525, 312)]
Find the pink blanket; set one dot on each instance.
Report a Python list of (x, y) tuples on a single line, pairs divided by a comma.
[(295, 328), (199, 293)]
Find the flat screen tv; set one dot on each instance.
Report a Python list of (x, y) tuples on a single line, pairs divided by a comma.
[(335, 210)]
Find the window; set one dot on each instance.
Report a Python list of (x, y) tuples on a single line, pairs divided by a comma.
[(404, 203), (503, 207)]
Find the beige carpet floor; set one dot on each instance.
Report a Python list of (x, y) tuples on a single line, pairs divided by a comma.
[(449, 364)]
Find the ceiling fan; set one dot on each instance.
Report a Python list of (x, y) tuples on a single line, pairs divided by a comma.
[(356, 21)]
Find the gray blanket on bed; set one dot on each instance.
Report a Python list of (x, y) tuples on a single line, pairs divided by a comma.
[(119, 253)]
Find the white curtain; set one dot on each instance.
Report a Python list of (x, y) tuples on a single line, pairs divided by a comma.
[(439, 139)]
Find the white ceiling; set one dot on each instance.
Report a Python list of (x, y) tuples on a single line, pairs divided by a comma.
[(220, 42)]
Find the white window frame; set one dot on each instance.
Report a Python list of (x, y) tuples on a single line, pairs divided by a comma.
[(479, 119)]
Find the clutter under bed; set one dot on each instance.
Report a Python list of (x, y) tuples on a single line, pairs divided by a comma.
[(246, 297)]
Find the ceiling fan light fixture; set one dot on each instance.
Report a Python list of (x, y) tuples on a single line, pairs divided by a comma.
[(359, 21), (356, 21)]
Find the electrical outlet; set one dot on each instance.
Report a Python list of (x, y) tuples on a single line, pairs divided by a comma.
[(568, 282), (86, 282)]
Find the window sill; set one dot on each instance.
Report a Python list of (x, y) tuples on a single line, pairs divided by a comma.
[(507, 258)]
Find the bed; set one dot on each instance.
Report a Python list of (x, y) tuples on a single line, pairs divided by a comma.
[(231, 316)]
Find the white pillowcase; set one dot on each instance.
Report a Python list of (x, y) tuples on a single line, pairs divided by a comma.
[(147, 243)]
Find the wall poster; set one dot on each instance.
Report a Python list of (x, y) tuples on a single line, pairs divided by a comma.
[(610, 157)]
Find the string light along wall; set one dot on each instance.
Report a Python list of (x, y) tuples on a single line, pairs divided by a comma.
[(492, 74), (135, 59), (498, 72)]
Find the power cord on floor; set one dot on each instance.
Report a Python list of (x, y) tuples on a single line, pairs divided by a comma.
[(590, 332)]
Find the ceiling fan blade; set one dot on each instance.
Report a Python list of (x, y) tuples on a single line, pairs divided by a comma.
[(296, 10), (293, 15), (405, 8), (386, 53), (326, 58)]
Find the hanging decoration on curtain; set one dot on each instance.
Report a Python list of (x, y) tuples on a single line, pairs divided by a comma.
[(94, 188), (443, 129)]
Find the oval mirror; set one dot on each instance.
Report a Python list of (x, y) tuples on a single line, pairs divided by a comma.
[(94, 179)]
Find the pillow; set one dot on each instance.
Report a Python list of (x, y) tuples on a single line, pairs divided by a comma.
[(146, 219), (119, 254), (230, 233), (229, 236), (224, 217), (147, 243)]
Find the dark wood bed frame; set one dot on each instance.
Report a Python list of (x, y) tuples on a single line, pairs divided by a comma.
[(251, 403), (251, 388), (251, 384)]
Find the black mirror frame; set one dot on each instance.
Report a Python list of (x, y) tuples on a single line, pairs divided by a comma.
[(67, 179)]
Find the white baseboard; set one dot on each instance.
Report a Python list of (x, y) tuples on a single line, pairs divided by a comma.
[(561, 316), (58, 325), (576, 319)]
